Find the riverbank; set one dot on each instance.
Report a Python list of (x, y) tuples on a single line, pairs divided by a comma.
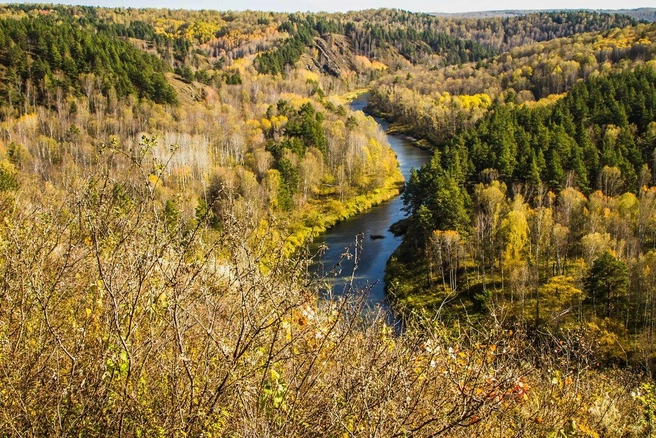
[(412, 290), (403, 130), (373, 223), (320, 216)]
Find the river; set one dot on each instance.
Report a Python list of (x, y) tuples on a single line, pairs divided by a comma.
[(374, 222)]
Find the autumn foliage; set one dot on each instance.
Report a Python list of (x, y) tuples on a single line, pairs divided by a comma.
[(161, 173)]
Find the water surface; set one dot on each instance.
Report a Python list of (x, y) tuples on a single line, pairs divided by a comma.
[(375, 223)]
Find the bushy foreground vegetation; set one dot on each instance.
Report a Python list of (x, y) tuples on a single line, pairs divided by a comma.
[(121, 317)]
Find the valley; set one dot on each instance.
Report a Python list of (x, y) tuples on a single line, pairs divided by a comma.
[(171, 179)]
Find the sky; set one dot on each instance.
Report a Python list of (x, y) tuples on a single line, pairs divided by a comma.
[(347, 5)]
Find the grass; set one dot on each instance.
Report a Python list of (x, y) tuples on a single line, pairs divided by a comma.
[(352, 95)]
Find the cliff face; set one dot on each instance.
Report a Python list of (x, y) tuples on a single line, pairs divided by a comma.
[(332, 54), (335, 54)]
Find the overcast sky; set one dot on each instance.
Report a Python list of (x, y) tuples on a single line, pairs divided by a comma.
[(347, 5)]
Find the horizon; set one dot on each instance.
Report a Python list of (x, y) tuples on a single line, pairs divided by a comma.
[(315, 6)]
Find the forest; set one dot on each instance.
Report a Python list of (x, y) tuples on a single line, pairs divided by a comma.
[(544, 211), (163, 173)]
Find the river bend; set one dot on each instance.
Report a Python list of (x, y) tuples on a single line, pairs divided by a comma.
[(375, 223)]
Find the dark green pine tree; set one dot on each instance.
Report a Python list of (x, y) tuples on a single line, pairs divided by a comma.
[(607, 284)]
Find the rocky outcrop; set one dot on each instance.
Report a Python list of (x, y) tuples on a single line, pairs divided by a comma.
[(332, 54)]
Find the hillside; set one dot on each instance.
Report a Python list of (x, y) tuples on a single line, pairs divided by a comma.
[(524, 75), (536, 202)]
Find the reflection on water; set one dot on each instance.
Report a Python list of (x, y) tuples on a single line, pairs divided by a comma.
[(366, 238)]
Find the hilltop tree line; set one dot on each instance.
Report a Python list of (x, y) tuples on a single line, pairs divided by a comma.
[(494, 34), (421, 37), (505, 33)]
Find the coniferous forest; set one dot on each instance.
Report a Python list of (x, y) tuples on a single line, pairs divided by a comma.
[(163, 173)]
